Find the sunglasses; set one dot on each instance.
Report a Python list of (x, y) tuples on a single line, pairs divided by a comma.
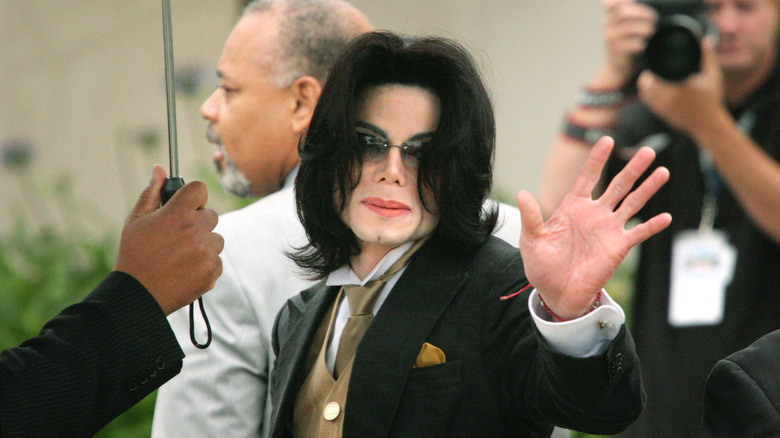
[(375, 148)]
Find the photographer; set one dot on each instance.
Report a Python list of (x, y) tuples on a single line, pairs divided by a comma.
[(716, 132)]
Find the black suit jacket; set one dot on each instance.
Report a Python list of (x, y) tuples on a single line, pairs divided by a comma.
[(89, 364), (742, 397), (499, 379)]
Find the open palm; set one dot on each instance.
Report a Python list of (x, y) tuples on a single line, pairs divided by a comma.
[(570, 257)]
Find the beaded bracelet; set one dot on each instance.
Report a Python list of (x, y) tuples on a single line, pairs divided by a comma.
[(554, 316), (584, 134), (557, 318), (605, 98)]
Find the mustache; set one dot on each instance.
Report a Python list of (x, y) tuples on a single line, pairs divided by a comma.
[(212, 136)]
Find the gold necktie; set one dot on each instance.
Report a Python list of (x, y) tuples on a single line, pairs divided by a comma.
[(361, 301)]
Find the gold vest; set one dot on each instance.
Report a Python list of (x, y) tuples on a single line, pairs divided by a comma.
[(320, 403)]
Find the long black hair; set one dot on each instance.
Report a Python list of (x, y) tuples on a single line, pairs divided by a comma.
[(457, 165)]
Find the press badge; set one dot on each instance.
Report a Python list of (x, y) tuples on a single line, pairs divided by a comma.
[(702, 267)]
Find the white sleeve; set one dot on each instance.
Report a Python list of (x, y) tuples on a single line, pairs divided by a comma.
[(509, 224), (221, 390), (586, 336)]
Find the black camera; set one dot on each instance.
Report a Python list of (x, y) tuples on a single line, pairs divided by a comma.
[(673, 52)]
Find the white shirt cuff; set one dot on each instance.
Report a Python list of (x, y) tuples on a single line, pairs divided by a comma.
[(585, 336)]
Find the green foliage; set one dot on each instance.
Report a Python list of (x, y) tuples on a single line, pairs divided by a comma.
[(585, 435), (42, 271), (136, 422)]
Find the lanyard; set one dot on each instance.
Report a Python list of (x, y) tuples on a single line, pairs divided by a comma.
[(712, 179)]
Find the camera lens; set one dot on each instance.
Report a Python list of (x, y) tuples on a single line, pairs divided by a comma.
[(673, 52)]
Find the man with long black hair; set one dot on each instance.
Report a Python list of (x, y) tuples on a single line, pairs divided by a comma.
[(423, 324), (272, 70)]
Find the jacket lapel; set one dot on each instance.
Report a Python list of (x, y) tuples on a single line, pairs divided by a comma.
[(385, 355), (305, 314)]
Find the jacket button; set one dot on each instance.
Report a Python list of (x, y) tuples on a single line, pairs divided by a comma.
[(159, 362), (616, 366), (132, 385), (331, 411)]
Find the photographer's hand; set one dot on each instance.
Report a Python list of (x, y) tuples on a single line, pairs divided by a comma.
[(697, 107), (693, 105), (627, 27)]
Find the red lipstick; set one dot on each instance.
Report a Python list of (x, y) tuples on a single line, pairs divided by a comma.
[(386, 208)]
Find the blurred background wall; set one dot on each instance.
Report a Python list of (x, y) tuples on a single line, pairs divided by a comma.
[(82, 89)]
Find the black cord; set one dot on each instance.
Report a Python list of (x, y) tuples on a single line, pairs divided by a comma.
[(192, 325)]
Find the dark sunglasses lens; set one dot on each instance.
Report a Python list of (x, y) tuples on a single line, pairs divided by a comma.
[(373, 147), (415, 149)]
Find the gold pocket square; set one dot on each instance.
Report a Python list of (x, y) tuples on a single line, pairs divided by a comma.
[(429, 355)]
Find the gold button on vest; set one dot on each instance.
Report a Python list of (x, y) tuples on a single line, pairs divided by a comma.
[(331, 411)]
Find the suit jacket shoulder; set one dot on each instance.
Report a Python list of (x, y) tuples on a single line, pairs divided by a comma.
[(297, 303), (742, 396)]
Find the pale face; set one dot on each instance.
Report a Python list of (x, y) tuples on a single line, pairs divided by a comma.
[(747, 31), (249, 116), (385, 210)]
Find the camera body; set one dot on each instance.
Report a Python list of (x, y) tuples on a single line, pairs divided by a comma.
[(673, 52)]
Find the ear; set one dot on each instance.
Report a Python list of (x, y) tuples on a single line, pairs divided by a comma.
[(306, 91)]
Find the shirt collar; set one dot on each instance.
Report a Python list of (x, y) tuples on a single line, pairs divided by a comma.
[(289, 180), (345, 275)]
